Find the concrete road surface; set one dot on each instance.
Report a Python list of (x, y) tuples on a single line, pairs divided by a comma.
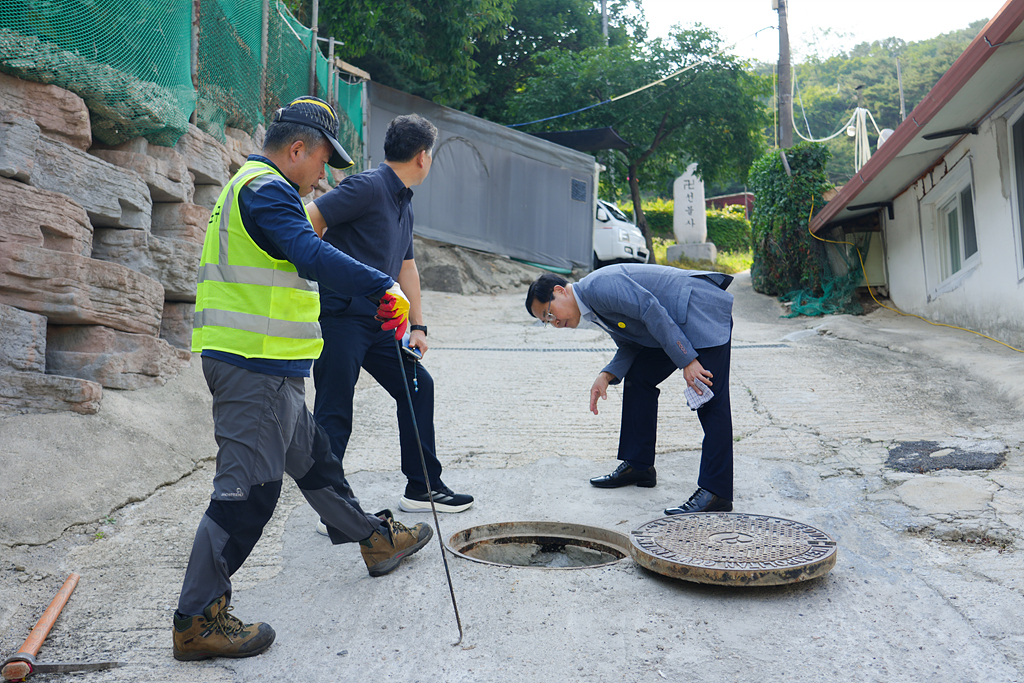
[(927, 586)]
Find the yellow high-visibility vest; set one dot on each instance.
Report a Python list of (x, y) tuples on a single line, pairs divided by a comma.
[(247, 302)]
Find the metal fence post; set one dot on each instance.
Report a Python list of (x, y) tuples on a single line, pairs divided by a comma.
[(332, 88), (313, 48), (264, 47), (195, 59)]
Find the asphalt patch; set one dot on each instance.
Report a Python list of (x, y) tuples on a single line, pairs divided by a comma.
[(927, 456)]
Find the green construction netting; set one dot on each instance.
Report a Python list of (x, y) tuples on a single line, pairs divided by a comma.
[(229, 65), (230, 68), (841, 276), (129, 61), (288, 40)]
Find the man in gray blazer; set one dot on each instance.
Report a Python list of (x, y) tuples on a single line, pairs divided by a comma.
[(661, 319)]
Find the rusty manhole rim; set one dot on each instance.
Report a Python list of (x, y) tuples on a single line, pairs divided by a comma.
[(582, 535)]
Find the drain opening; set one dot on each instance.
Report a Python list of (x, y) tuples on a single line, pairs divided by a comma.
[(541, 545)]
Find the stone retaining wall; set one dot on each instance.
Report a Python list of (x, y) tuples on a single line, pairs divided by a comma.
[(99, 250), (100, 247)]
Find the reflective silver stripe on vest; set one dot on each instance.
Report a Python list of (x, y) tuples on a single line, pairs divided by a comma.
[(256, 184), (256, 324), (251, 275)]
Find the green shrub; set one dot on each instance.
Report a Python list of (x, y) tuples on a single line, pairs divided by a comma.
[(729, 229), (660, 222), (658, 213), (786, 256)]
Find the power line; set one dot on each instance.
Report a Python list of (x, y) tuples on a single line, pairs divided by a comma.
[(645, 87)]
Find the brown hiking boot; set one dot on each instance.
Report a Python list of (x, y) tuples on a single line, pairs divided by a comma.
[(215, 633), (383, 554)]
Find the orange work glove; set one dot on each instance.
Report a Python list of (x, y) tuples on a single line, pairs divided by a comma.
[(393, 311)]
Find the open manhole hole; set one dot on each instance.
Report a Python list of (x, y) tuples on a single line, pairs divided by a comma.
[(926, 456), (544, 545)]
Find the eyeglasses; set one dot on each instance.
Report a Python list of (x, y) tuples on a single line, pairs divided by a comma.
[(547, 316)]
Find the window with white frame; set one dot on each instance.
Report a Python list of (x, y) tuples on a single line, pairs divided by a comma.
[(950, 236), (958, 240)]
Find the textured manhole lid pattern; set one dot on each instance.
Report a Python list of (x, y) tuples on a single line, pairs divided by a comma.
[(734, 548)]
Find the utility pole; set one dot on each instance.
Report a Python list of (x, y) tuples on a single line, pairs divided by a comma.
[(604, 20), (785, 79), (903, 103), (313, 49)]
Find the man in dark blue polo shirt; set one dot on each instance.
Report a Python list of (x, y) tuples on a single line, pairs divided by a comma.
[(369, 217)]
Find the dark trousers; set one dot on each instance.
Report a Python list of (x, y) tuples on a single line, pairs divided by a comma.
[(639, 431), (354, 341)]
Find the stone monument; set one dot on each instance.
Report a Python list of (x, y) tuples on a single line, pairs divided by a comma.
[(689, 222)]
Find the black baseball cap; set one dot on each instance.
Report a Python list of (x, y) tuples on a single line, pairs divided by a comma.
[(315, 113)]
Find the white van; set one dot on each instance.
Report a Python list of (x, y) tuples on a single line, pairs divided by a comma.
[(616, 239)]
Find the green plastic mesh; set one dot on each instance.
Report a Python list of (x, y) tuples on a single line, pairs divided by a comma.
[(350, 113), (129, 61), (229, 65), (841, 276)]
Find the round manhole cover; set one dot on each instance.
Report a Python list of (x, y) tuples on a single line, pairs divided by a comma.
[(733, 549)]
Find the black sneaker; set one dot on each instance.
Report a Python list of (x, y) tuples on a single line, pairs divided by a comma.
[(445, 500)]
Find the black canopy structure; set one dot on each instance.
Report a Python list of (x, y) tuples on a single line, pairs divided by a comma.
[(589, 140)]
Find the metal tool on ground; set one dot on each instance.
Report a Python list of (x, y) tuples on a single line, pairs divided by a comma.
[(430, 488), (22, 664)]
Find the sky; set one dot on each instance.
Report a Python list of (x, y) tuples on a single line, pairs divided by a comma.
[(866, 20)]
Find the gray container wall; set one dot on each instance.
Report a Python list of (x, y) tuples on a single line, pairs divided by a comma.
[(492, 188)]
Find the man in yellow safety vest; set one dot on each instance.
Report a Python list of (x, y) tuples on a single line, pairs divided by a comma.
[(257, 306)]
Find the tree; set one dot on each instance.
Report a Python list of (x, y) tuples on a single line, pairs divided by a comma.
[(424, 48), (536, 27), (708, 114), (827, 80)]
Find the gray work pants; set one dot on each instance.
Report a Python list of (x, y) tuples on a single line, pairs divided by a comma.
[(263, 429)]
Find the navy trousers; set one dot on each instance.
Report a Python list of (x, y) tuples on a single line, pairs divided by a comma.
[(356, 341), (639, 430)]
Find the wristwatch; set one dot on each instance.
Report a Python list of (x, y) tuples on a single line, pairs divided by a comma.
[(421, 328)]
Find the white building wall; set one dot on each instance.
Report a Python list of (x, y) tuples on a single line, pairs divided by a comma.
[(988, 295)]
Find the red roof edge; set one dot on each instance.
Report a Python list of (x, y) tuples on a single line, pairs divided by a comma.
[(998, 29)]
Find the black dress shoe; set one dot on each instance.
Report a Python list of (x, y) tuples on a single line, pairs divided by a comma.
[(702, 500), (624, 475)]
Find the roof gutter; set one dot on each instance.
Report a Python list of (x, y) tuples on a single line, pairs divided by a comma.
[(1001, 26)]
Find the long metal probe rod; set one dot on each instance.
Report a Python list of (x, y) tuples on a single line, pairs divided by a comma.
[(430, 488)]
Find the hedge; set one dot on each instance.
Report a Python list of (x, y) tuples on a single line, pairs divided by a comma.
[(728, 228)]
